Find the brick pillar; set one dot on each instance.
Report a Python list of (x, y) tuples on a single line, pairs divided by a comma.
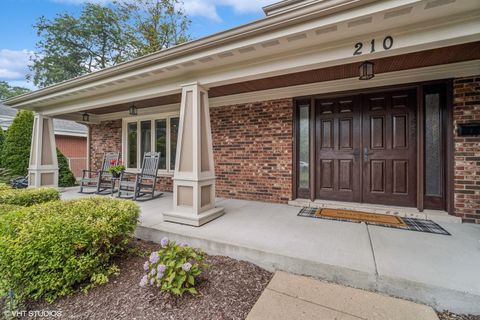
[(467, 150)]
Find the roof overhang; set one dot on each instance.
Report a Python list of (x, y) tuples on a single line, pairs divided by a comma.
[(320, 35)]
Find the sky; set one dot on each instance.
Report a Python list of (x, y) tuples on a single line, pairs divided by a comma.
[(18, 37)]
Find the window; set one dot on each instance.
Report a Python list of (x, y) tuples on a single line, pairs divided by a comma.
[(154, 133)]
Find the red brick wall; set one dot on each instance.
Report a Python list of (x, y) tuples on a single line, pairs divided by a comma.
[(107, 137), (104, 137), (467, 150), (253, 150), (75, 149)]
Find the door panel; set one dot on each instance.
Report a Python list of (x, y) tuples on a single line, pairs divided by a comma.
[(389, 141), (338, 148)]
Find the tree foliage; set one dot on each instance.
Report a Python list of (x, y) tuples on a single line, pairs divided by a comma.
[(103, 36), (16, 147), (155, 24), (71, 46), (65, 176), (7, 91)]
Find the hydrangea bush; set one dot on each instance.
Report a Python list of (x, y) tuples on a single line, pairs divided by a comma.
[(173, 268)]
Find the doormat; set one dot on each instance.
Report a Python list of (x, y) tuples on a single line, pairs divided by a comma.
[(382, 220)]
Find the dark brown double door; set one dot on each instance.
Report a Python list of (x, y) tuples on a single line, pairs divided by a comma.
[(366, 148)]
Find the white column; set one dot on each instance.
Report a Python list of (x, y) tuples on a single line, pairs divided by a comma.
[(194, 178), (43, 164)]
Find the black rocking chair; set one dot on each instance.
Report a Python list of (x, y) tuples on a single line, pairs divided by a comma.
[(138, 185), (102, 180)]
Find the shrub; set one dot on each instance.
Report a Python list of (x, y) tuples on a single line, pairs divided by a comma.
[(28, 197), (173, 268), (2, 138), (16, 147), (6, 175), (65, 176), (49, 250), (6, 208)]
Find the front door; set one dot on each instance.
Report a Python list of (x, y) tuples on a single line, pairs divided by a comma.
[(366, 148)]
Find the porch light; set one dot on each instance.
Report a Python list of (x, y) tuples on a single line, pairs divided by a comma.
[(86, 117), (366, 70), (132, 110)]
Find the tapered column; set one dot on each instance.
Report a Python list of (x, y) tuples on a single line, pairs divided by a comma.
[(194, 177), (43, 165)]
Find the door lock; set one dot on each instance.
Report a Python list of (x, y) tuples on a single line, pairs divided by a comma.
[(366, 154)]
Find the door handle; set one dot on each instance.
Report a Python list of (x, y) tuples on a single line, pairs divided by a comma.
[(356, 153), (366, 154)]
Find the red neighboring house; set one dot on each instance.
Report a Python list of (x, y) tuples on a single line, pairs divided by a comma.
[(70, 138)]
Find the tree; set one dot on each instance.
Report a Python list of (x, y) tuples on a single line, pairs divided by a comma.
[(7, 91), (16, 147), (70, 46), (156, 24), (104, 36), (65, 176)]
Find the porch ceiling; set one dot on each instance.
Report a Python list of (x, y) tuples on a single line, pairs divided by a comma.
[(445, 55)]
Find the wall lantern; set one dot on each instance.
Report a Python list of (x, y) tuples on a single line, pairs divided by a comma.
[(366, 70), (132, 110), (86, 117)]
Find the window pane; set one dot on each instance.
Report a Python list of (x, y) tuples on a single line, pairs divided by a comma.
[(304, 151), (161, 141), (132, 145), (433, 143), (173, 141), (145, 137)]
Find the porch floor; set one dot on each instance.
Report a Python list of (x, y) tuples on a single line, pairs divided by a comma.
[(438, 270)]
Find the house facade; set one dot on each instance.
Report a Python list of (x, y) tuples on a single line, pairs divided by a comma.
[(354, 101)]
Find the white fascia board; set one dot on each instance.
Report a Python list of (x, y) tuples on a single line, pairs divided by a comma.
[(70, 134)]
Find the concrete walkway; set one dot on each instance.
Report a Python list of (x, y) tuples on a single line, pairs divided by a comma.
[(438, 270), (289, 296)]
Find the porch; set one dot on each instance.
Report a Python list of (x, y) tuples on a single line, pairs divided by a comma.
[(434, 269)]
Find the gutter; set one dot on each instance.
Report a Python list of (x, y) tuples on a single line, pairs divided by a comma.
[(316, 9)]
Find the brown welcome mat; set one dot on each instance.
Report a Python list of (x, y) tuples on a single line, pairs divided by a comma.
[(382, 220), (360, 216)]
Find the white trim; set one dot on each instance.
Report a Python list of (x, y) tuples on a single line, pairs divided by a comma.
[(150, 117), (453, 70)]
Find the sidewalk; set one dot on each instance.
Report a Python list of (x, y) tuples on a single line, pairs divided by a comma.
[(289, 296)]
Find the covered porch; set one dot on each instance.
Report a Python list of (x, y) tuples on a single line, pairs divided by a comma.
[(437, 270), (224, 110)]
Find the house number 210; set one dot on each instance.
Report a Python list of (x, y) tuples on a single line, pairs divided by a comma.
[(387, 44)]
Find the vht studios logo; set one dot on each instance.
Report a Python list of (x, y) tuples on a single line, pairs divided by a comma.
[(34, 313)]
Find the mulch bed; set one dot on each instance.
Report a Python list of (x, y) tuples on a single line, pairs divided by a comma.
[(228, 289), (445, 315)]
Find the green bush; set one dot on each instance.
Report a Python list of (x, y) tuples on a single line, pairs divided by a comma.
[(6, 175), (6, 208), (28, 197), (50, 250), (173, 268), (16, 147), (65, 176), (4, 187)]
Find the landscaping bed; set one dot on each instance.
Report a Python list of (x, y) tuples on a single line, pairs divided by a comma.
[(227, 289)]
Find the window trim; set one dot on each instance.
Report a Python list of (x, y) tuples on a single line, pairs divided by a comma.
[(152, 118)]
